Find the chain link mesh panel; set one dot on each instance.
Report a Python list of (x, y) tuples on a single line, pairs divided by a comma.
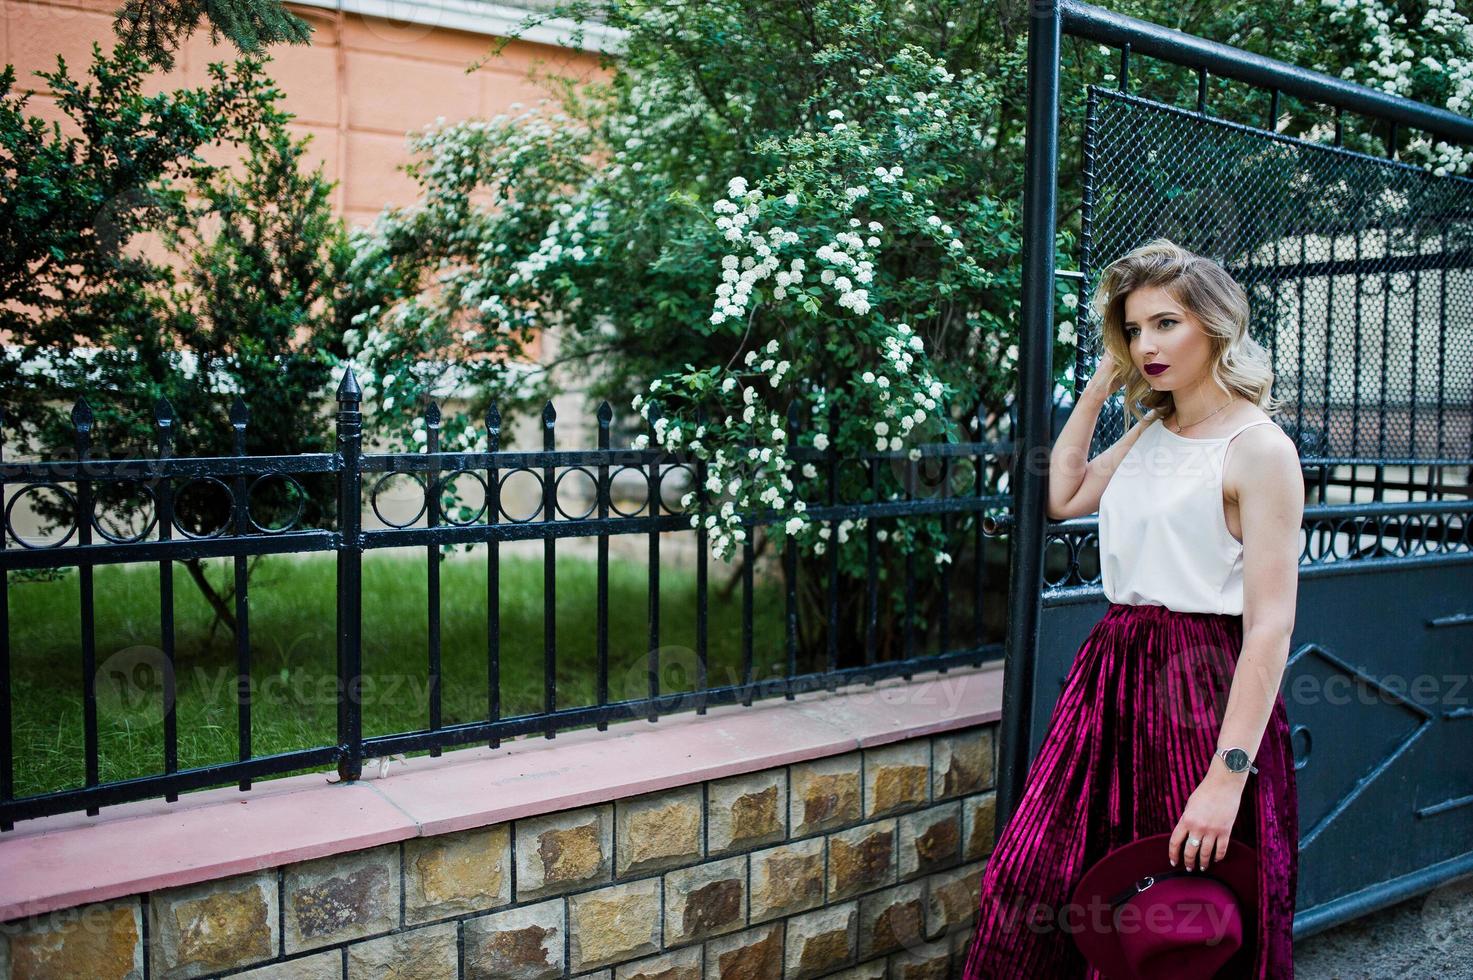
[(1359, 270)]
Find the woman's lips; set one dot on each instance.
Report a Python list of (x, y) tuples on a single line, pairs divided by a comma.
[(1155, 369)]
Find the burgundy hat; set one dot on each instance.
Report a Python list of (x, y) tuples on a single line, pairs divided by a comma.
[(1165, 922)]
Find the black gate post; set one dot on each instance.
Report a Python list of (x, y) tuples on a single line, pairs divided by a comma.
[(350, 580), (1034, 400)]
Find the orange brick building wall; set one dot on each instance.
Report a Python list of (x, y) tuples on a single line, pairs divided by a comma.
[(358, 89)]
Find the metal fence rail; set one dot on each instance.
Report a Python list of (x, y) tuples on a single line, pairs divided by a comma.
[(949, 481)]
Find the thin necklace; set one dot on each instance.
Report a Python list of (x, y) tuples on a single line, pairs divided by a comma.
[(1204, 418)]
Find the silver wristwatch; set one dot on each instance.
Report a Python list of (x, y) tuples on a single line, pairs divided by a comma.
[(1237, 760)]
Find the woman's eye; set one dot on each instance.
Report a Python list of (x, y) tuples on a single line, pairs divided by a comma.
[(1165, 320)]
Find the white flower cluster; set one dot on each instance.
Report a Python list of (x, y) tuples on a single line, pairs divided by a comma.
[(563, 238), (842, 530), (846, 256), (740, 274), (792, 277), (775, 370), (737, 464), (456, 151), (994, 352), (920, 397), (849, 267)]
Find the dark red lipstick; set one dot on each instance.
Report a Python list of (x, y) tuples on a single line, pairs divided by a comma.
[(1155, 369)]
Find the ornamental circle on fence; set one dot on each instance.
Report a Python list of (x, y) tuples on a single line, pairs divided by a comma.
[(502, 495), (444, 486), (184, 493), (557, 488), (386, 482), (296, 491), (667, 503), (614, 483), (100, 525), (70, 502)]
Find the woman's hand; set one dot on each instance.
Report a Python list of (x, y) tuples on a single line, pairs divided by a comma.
[(1106, 379), (1209, 816)]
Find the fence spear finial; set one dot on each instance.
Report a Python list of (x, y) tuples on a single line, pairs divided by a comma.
[(81, 414), (348, 390)]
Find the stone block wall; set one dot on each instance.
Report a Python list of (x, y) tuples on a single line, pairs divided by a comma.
[(859, 865)]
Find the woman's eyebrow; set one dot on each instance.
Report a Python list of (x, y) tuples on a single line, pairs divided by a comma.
[(1132, 323)]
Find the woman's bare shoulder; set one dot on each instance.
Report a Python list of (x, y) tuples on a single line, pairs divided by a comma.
[(1263, 457)]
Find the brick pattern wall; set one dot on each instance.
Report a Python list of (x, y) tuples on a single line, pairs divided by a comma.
[(358, 90), (861, 865)]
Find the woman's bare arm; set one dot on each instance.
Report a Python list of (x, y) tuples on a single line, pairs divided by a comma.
[(1075, 483), (1271, 505)]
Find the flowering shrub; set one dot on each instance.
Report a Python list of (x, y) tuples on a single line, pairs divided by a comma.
[(846, 261), (830, 284), (869, 243), (1427, 57), (767, 210), (448, 292)]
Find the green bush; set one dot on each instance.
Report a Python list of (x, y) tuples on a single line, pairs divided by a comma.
[(160, 287)]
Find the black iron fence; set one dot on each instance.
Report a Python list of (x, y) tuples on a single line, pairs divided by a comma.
[(956, 484)]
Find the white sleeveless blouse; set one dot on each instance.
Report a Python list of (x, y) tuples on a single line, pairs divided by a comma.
[(1163, 535)]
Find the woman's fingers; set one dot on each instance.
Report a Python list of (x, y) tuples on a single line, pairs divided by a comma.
[(1174, 847), (1213, 848), (1204, 852), (1192, 852), (1210, 847)]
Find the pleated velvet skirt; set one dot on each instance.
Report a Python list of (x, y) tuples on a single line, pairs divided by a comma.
[(1130, 738)]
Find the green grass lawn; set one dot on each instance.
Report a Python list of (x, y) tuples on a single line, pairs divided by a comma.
[(292, 634)]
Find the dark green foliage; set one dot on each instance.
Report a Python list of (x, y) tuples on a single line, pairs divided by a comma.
[(74, 213), (156, 28), (133, 273)]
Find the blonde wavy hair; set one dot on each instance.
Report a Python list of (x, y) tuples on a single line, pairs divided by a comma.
[(1240, 364)]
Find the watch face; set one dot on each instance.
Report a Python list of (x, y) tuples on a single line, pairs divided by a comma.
[(1236, 759)]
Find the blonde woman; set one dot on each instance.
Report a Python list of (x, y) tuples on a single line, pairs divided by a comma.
[(1200, 504)]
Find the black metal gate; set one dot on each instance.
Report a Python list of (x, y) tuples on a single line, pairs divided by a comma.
[(1360, 273)]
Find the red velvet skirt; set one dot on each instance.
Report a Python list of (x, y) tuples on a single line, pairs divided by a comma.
[(1130, 738)]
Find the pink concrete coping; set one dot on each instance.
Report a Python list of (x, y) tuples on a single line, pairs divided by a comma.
[(58, 862)]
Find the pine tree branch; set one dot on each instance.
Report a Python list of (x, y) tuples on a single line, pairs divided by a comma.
[(156, 28)]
